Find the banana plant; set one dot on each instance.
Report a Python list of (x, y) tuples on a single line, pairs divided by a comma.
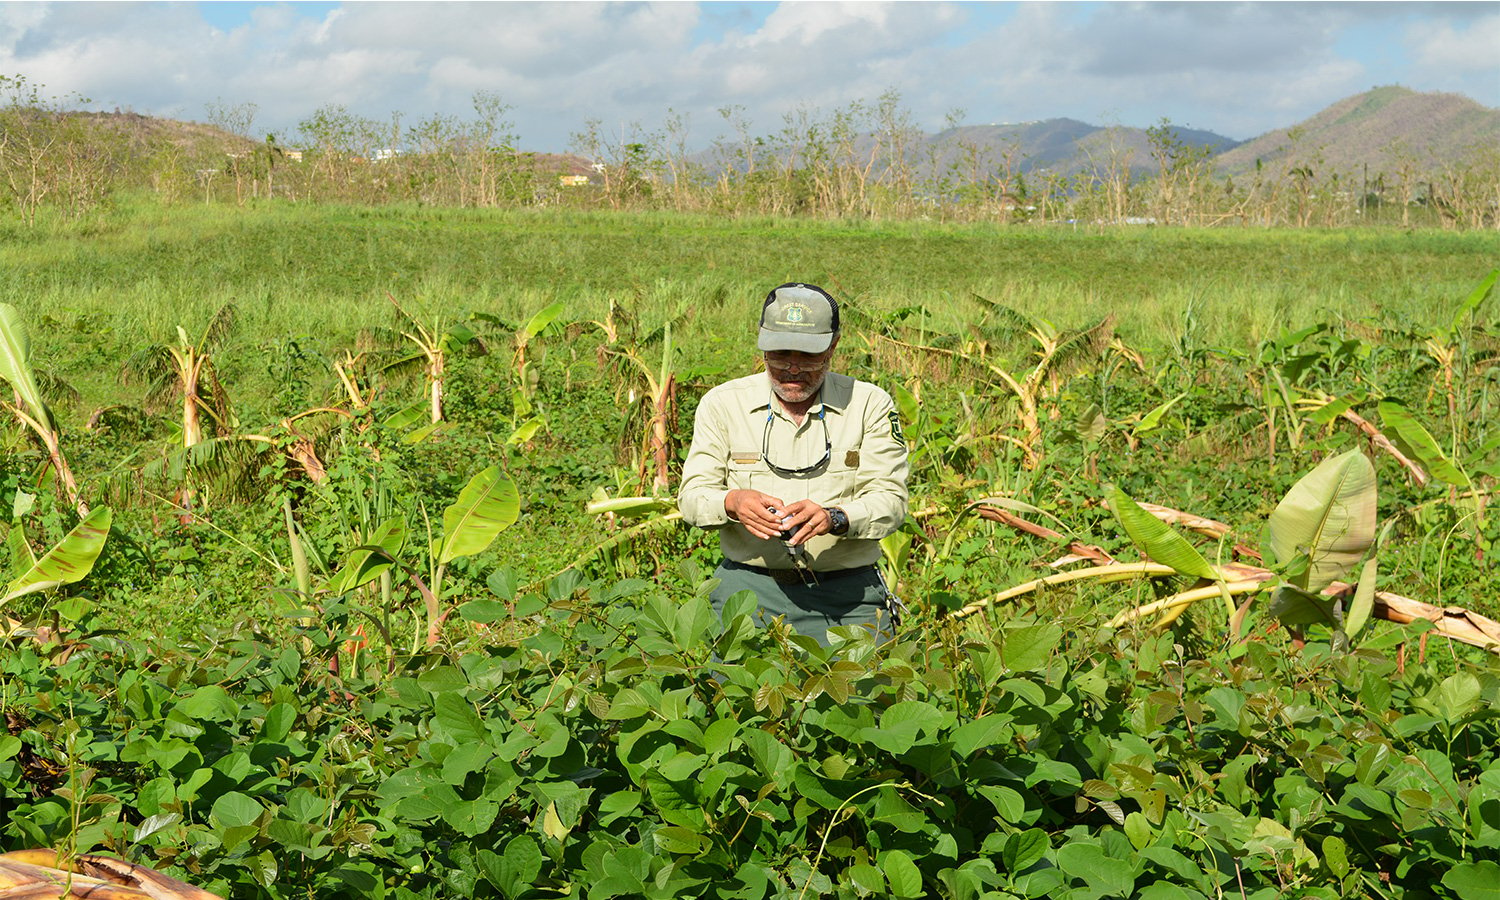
[(1059, 352), (185, 372), (68, 562), (486, 506), (27, 404), (434, 344), (1321, 530)]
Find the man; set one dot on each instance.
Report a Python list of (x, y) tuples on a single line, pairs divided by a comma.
[(803, 471)]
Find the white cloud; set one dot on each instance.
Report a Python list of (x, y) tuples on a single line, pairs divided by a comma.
[(1441, 47), (1238, 68)]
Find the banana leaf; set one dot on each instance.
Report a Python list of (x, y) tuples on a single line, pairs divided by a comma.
[(1329, 517), (1158, 539), (486, 506), (539, 322), (15, 363), (1418, 443), (369, 560), (1363, 603), (630, 506), (70, 561)]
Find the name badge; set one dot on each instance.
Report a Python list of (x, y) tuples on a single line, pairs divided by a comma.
[(744, 457)]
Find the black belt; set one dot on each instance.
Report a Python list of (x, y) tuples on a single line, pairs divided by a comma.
[(792, 576)]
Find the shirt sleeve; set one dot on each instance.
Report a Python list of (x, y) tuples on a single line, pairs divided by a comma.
[(705, 473), (880, 496)]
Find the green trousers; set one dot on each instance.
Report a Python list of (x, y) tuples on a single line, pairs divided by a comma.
[(856, 599)]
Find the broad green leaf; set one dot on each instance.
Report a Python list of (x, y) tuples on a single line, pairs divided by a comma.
[(986, 731), (630, 506), (486, 506), (236, 810), (1106, 875), (367, 561), (540, 320), (15, 363), (1420, 443), (1328, 515), (907, 403), (1023, 849), (209, 703), (1294, 606), (68, 562), (1008, 802), (1091, 424), (21, 557), (1029, 647), (1458, 696), (902, 874), (1474, 880), (1158, 539), (1476, 297), (525, 431), (1363, 602), (1153, 418)]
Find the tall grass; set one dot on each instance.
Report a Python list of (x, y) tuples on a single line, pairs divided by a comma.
[(322, 273)]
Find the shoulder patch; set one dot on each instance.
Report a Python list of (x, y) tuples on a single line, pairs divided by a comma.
[(896, 433)]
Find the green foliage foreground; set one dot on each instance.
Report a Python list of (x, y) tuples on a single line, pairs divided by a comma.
[(410, 706), (628, 745)]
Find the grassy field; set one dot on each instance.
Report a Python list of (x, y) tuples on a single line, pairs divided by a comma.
[(1201, 307), (567, 718)]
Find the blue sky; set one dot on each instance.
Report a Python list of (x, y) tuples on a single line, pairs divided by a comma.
[(1236, 68)]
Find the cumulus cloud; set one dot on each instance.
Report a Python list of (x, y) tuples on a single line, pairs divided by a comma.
[(1237, 68), (1439, 46)]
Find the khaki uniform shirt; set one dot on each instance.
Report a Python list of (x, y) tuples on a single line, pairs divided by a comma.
[(865, 474)]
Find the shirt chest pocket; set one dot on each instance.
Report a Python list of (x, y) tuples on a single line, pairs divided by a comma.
[(744, 467)]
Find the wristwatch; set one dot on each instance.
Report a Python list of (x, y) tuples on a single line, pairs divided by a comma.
[(838, 520)]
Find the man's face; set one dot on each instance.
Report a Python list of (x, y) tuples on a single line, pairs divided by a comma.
[(796, 376)]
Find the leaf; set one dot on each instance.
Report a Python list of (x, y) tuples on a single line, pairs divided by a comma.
[(1474, 880), (15, 363), (902, 874), (369, 560), (486, 506), (525, 431), (539, 322), (630, 506), (1029, 647), (236, 810), (1023, 849), (1153, 418), (1476, 297), (1294, 606), (1158, 539), (68, 562), (1328, 515), (1363, 602), (1420, 443)]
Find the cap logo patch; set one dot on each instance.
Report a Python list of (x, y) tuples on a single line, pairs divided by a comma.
[(794, 314)]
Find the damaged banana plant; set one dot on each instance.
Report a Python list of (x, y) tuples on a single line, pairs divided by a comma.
[(1324, 530)]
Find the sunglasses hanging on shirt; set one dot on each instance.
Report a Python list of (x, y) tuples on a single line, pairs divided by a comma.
[(765, 448)]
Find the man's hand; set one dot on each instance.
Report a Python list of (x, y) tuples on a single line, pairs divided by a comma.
[(807, 518), (753, 510)]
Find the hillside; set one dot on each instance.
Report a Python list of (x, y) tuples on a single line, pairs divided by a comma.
[(1063, 146), (1380, 128)]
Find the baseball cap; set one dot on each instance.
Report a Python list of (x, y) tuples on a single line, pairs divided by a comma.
[(800, 317)]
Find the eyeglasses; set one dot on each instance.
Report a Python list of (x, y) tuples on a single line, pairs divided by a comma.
[(788, 360), (765, 448)]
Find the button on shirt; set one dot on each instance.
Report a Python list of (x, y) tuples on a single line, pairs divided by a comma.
[(865, 474)]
